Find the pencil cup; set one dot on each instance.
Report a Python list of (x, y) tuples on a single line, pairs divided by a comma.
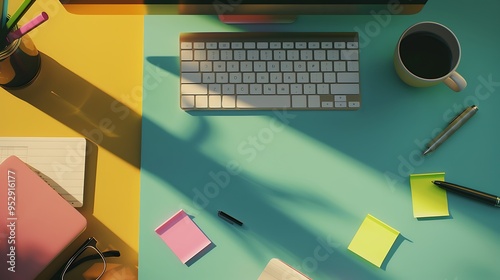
[(19, 63)]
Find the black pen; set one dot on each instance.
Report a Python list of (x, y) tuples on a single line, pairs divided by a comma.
[(478, 195), (229, 218), (454, 125)]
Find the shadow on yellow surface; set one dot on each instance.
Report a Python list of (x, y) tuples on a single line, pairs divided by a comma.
[(106, 123), (71, 100)]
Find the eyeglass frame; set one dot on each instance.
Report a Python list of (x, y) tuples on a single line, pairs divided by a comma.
[(91, 242)]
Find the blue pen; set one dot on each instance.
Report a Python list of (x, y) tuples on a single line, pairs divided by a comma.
[(3, 20)]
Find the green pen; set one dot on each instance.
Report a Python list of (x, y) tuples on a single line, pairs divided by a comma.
[(14, 19)]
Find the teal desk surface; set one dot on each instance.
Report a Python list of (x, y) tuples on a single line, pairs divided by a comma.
[(302, 182)]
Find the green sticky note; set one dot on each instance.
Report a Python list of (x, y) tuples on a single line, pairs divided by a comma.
[(373, 240), (428, 199)]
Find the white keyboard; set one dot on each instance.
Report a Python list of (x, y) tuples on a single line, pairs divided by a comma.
[(264, 71)]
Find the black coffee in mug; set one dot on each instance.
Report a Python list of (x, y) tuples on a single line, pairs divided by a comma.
[(426, 55)]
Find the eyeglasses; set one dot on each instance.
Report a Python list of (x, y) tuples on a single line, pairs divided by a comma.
[(87, 252)]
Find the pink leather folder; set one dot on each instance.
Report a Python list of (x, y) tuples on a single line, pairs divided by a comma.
[(36, 223)]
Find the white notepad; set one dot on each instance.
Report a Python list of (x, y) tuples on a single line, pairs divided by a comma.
[(276, 269), (60, 161)]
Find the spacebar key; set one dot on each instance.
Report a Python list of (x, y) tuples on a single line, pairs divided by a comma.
[(262, 101)]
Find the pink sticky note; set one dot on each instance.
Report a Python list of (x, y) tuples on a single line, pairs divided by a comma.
[(183, 236)]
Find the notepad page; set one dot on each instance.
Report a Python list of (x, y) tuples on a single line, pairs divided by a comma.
[(276, 269), (60, 161), (373, 240), (428, 200), (183, 236)]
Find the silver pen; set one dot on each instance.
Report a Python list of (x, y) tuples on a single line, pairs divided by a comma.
[(454, 125)]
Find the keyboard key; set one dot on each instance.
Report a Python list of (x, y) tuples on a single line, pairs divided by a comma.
[(340, 98), (349, 54), (214, 89), (228, 89), (326, 45), (186, 55), (313, 101), (344, 88), (263, 101), (194, 89), (339, 45), (313, 45), (226, 55), (262, 45), (208, 78), (253, 55), (191, 78), (242, 89), (201, 101), (316, 77), (296, 89), (327, 104), (249, 78), (213, 55), (283, 89), (275, 45), (299, 101), (340, 104), (187, 101), (214, 101), (224, 45), (211, 45), (319, 55), (269, 89), (206, 66), (199, 45), (200, 55), (221, 78), (332, 55), (228, 101), (255, 89), (348, 77), (190, 66), (323, 89), (352, 45), (309, 89), (354, 104), (219, 66), (353, 66), (301, 45), (186, 45), (306, 54), (249, 45), (236, 45)]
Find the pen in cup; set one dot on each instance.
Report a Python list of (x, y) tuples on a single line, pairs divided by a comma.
[(32, 24), (454, 125), (18, 14)]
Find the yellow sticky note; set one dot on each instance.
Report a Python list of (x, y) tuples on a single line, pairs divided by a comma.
[(428, 199), (373, 240)]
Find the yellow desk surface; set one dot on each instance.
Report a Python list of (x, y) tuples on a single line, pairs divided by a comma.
[(90, 85)]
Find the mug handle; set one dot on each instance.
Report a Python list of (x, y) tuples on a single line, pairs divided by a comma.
[(456, 82)]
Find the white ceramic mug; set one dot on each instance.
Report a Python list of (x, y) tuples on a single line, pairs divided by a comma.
[(427, 54)]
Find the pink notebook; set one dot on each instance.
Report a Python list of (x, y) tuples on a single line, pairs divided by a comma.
[(36, 223), (183, 236)]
